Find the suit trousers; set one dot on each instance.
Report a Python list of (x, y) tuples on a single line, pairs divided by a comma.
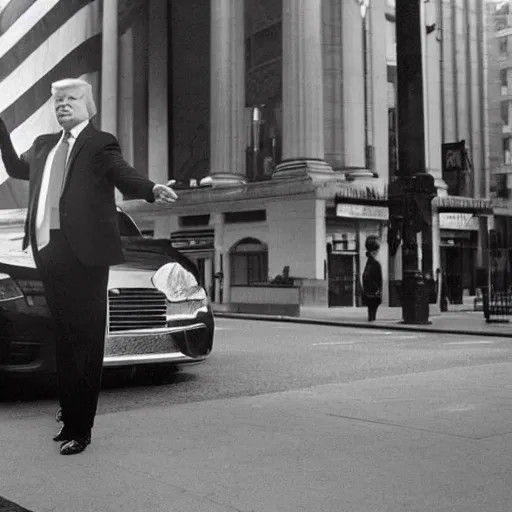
[(77, 298), (372, 303)]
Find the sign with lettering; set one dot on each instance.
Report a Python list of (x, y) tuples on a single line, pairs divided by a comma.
[(454, 156), (466, 221), (362, 211)]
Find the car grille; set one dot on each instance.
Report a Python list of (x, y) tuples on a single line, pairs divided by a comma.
[(136, 308)]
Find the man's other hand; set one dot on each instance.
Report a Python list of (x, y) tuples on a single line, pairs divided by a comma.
[(164, 193)]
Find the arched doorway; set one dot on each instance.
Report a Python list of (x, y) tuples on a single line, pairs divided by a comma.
[(248, 262)]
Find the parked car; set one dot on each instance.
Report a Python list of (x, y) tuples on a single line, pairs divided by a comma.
[(158, 313)]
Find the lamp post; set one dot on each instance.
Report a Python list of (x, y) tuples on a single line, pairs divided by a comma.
[(411, 194)]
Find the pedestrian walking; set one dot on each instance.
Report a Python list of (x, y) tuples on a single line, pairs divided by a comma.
[(372, 278), (73, 233)]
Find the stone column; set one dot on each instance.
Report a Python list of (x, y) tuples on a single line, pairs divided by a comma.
[(158, 138), (432, 99), (109, 67), (353, 83), (217, 221), (436, 258), (125, 96), (378, 92), (303, 108), (109, 72), (227, 90)]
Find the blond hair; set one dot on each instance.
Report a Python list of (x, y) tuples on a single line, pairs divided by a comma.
[(82, 87)]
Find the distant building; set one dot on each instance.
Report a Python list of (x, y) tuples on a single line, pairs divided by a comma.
[(500, 114)]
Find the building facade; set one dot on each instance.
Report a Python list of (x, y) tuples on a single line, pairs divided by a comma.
[(500, 110), (288, 108)]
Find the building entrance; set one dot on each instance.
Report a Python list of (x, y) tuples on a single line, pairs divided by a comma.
[(342, 279), (458, 255)]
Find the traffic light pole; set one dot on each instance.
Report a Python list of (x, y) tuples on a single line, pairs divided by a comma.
[(412, 191)]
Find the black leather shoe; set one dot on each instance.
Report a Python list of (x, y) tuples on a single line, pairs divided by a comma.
[(75, 446), (63, 435)]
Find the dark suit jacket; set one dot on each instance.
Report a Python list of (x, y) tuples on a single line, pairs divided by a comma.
[(372, 279), (88, 215)]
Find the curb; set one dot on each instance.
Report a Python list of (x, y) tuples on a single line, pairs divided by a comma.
[(337, 323)]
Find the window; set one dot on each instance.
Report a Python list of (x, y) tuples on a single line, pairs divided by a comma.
[(504, 46), (501, 189), (249, 262), (506, 151), (504, 81), (264, 46), (504, 112)]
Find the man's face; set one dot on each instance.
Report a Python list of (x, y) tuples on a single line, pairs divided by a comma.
[(70, 108)]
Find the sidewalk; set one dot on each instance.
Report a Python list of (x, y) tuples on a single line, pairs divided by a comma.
[(427, 442), (460, 319)]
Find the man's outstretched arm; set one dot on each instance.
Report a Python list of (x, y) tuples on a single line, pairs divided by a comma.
[(127, 180), (16, 167)]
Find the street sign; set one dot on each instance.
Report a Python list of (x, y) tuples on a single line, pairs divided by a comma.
[(362, 211), (454, 156)]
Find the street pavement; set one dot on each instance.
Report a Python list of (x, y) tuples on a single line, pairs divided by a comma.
[(358, 421), (460, 319)]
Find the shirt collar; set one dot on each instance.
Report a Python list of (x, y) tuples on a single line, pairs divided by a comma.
[(78, 129)]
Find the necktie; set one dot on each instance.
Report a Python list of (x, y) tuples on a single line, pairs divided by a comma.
[(56, 183)]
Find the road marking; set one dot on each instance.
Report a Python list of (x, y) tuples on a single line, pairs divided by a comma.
[(334, 343), (478, 342), (363, 339)]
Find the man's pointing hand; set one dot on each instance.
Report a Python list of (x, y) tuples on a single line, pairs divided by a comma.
[(164, 193)]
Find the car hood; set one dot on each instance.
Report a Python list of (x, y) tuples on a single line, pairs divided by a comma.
[(143, 258)]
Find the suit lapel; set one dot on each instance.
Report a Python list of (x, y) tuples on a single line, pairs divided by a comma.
[(41, 152), (40, 157), (78, 145)]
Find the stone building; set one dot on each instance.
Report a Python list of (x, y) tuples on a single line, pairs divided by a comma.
[(282, 112)]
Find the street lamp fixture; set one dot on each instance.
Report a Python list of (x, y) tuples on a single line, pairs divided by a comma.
[(363, 5)]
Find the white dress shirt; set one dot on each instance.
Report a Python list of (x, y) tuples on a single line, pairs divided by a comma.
[(42, 220)]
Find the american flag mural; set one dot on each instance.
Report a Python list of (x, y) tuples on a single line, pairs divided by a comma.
[(42, 41)]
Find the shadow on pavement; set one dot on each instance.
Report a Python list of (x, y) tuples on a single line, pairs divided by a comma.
[(9, 506), (36, 388)]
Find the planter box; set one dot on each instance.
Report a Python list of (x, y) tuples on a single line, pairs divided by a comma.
[(264, 299)]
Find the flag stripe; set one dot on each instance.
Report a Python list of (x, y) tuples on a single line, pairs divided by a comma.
[(85, 58), (49, 24), (11, 12), (83, 25), (14, 193), (24, 24)]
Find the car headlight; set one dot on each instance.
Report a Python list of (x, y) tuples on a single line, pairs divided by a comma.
[(177, 283), (9, 290)]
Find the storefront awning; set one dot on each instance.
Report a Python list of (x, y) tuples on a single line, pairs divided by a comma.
[(456, 204)]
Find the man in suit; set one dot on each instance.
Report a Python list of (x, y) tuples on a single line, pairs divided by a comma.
[(372, 278), (73, 233)]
